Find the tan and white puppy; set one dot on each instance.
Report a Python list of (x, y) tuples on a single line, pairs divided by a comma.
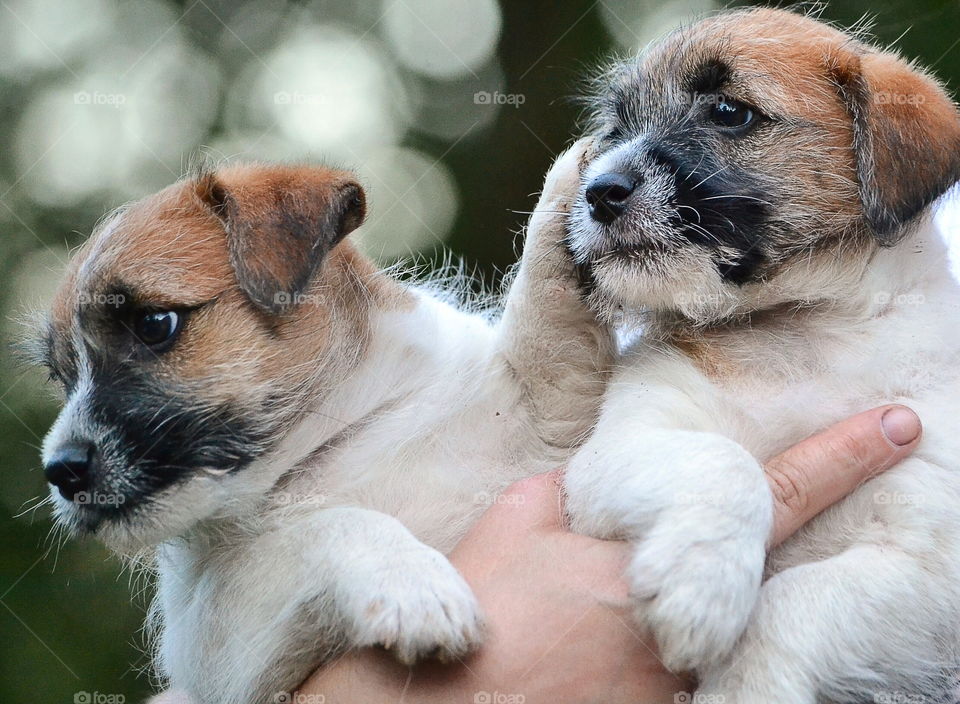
[(300, 435), (760, 195)]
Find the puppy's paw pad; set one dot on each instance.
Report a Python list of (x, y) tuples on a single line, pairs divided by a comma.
[(426, 611), (696, 604)]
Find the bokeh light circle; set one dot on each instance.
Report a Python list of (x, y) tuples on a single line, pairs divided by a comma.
[(412, 203), (442, 38)]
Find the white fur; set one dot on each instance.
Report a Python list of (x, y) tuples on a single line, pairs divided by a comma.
[(865, 600)]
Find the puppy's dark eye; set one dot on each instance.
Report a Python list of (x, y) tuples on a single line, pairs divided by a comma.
[(731, 114), (157, 329)]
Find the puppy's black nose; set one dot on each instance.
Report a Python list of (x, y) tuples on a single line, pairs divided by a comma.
[(69, 469), (607, 196)]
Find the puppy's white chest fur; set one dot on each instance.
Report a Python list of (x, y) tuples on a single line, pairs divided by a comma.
[(431, 426), (789, 377)]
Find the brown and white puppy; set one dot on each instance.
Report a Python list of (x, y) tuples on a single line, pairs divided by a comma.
[(760, 196), (298, 434)]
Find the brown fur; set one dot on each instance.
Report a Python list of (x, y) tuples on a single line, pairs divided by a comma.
[(898, 112), (184, 249), (281, 224)]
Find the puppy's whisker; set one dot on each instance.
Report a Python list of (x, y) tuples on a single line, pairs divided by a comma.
[(738, 197), (39, 501), (689, 207), (709, 235), (695, 168), (730, 222), (714, 174)]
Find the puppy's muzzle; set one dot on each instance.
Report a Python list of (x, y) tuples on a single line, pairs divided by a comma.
[(70, 469), (608, 194)]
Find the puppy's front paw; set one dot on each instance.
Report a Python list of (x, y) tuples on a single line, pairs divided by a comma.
[(563, 179), (421, 609), (695, 593)]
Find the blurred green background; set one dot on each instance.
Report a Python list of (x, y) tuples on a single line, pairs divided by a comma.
[(451, 110)]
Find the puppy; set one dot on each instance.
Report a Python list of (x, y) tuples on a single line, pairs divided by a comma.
[(759, 194), (299, 435)]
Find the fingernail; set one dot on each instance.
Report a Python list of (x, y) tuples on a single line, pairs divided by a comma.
[(900, 425)]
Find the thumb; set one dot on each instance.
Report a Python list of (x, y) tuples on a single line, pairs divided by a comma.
[(824, 468), (528, 507), (531, 503)]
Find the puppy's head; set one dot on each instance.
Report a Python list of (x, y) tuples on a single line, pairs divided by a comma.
[(185, 335), (745, 144)]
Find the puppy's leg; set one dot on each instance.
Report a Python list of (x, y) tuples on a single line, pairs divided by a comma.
[(860, 626), (551, 341), (695, 505), (334, 579)]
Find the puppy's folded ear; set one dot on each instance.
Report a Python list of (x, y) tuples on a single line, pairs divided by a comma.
[(906, 137), (281, 222)]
